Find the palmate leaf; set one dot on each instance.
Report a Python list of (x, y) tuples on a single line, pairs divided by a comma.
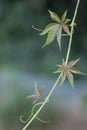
[(54, 30), (67, 71)]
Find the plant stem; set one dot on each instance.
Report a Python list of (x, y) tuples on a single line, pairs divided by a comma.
[(55, 84), (72, 31), (43, 104)]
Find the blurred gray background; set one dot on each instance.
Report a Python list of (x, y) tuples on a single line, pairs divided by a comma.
[(23, 61)]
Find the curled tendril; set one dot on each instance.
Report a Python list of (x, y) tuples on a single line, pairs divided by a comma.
[(32, 112), (31, 115), (24, 121)]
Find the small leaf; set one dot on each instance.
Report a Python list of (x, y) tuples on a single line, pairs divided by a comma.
[(55, 29), (54, 16), (37, 93)]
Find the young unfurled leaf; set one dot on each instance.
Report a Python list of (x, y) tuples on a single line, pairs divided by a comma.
[(37, 93), (55, 29), (67, 71)]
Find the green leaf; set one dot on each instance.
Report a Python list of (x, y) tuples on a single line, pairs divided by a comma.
[(55, 29), (54, 16)]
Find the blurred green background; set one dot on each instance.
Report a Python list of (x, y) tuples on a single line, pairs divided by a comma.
[(23, 61)]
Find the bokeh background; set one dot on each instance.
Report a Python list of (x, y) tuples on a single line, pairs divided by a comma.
[(23, 61)]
